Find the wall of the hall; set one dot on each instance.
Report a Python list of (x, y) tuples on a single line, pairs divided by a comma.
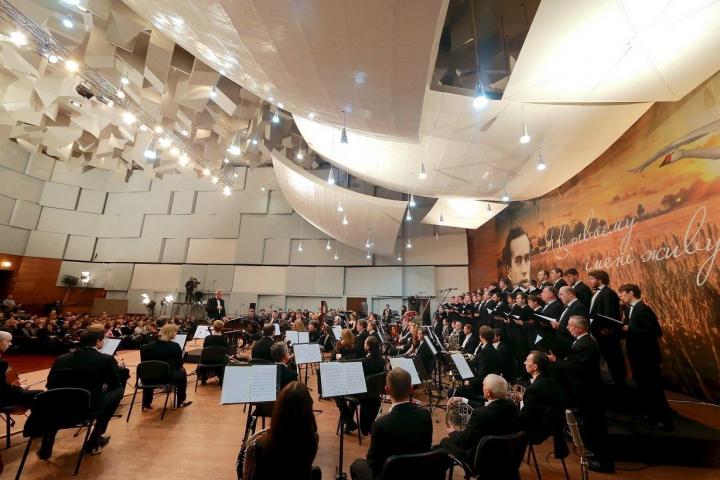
[(648, 212)]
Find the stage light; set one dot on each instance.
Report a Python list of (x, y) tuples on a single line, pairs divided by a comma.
[(206, 171), (541, 162), (129, 118), (184, 160), (75, 103), (169, 298), (336, 255), (345, 219), (71, 65), (151, 150), (423, 174), (165, 142), (67, 22), (18, 38), (399, 258), (262, 189), (52, 58), (480, 100), (367, 243), (5, 264), (124, 80), (340, 206), (174, 151), (327, 246), (254, 141), (226, 160), (368, 256), (525, 136), (143, 127), (331, 180), (184, 133), (412, 201), (343, 134), (159, 129), (234, 148), (215, 180), (235, 175), (110, 104), (227, 191)]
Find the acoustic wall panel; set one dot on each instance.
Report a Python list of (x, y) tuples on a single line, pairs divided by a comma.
[(20, 186), (271, 302), (155, 277), (300, 280), (241, 201), (80, 248), (451, 277), (119, 226), (329, 280), (110, 276), (276, 251), (6, 209), (373, 281), (13, 156), (139, 202), (278, 204), (95, 178), (13, 240), (183, 202), (197, 271), (191, 226), (40, 166), (211, 250), (446, 250), (219, 277), (419, 281), (46, 244), (260, 279), (66, 221), (128, 249), (91, 201), (175, 250), (25, 215), (315, 253), (249, 248), (57, 195)]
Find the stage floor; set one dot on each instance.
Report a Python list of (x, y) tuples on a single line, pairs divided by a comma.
[(203, 440)]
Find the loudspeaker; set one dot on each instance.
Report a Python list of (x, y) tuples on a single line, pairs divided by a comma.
[(252, 305)]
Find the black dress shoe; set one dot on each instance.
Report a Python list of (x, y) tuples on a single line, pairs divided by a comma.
[(43, 455), (596, 466), (103, 440), (350, 428)]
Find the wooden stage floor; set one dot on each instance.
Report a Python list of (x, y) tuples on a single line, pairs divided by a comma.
[(203, 440)]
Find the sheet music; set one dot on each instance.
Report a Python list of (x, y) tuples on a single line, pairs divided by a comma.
[(291, 336), (263, 386), (549, 319), (201, 332), (110, 346), (307, 353), (180, 339), (276, 326), (337, 330), (538, 338), (609, 318), (332, 379), (303, 337), (462, 366), (355, 377), (236, 385), (407, 365), (431, 346)]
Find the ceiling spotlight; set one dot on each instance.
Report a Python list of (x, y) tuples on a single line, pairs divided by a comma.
[(18, 38), (408, 244), (505, 197), (71, 65), (174, 151), (368, 256), (110, 104), (184, 133), (67, 22), (159, 129), (399, 258), (412, 201), (151, 150), (340, 206), (327, 246), (143, 127), (299, 155), (227, 191), (184, 160), (311, 115), (442, 220), (165, 142), (423, 174), (541, 162), (234, 148), (408, 217), (262, 189), (336, 255), (120, 94), (300, 247), (75, 103), (124, 81), (368, 244), (52, 58), (343, 134), (280, 105), (331, 178), (271, 99), (129, 118), (215, 180), (254, 141), (437, 237), (345, 219), (525, 136), (206, 171), (235, 175), (480, 99), (226, 160), (276, 117), (213, 92)]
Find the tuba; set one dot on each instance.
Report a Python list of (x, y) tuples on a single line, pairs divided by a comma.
[(458, 415)]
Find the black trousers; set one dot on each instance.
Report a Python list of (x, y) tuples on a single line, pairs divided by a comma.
[(612, 353), (180, 382), (649, 381), (360, 470), (19, 397), (102, 415), (206, 373)]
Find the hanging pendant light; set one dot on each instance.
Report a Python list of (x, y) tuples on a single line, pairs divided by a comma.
[(345, 219), (541, 162), (524, 136), (331, 177), (480, 100), (412, 200), (327, 246), (151, 150), (408, 217), (343, 134), (442, 220), (340, 206), (423, 174)]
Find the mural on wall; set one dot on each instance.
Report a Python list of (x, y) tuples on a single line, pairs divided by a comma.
[(648, 212)]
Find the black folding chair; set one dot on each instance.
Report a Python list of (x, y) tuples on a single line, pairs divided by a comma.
[(497, 457), (8, 411), (433, 465), (210, 358), (58, 409), (551, 425), (375, 388), (152, 374)]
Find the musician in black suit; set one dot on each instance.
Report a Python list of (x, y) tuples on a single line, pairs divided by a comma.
[(405, 429), (606, 302), (261, 348), (98, 373), (470, 341), (506, 362), (542, 396), (582, 291), (215, 339), (582, 368), (505, 285), (215, 307), (499, 416), (281, 356), (643, 333), (165, 350), (361, 337), (556, 277), (487, 361)]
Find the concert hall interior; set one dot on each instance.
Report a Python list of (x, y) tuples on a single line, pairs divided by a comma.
[(367, 239)]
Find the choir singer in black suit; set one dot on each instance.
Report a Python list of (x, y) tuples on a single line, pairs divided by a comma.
[(405, 429), (643, 332), (553, 307), (582, 291), (215, 307), (165, 350), (556, 277), (606, 302)]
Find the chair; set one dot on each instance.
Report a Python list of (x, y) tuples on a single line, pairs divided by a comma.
[(509, 449), (375, 388), (153, 374), (210, 358), (431, 465), (552, 425), (8, 411), (58, 409)]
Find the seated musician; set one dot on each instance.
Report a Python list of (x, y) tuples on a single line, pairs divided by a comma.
[(261, 348), (281, 356), (499, 416), (421, 350), (313, 331), (470, 341), (345, 348), (289, 447), (541, 394), (215, 339), (405, 429), (325, 340), (372, 330), (10, 392), (506, 362), (165, 350), (361, 336), (486, 362), (98, 372)]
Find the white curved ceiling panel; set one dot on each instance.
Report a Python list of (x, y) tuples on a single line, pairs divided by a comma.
[(370, 57), (369, 218), (462, 212), (477, 153), (617, 51)]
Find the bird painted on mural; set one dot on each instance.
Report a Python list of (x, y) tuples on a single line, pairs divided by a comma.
[(672, 153)]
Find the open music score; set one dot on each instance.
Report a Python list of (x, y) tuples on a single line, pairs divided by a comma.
[(249, 384), (180, 339), (407, 365), (462, 366), (276, 329), (337, 331), (430, 345), (307, 353), (201, 332), (341, 378), (111, 345), (606, 322), (297, 337)]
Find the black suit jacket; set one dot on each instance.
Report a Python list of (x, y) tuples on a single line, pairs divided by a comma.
[(606, 303), (553, 309), (373, 364), (541, 395), (560, 283), (506, 362), (575, 308), (583, 293), (500, 417), (487, 361), (471, 344), (169, 352), (261, 349), (406, 429), (643, 335), (360, 343), (215, 341), (286, 375), (212, 308), (582, 368)]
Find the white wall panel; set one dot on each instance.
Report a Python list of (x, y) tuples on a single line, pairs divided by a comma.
[(6, 209), (20, 186), (315, 253), (183, 202), (260, 279), (271, 302), (418, 279), (66, 221), (373, 281), (211, 250), (240, 302), (182, 182), (329, 280), (249, 249), (80, 248), (40, 166), (219, 277), (312, 303), (139, 202), (139, 181), (191, 270), (156, 277), (378, 304), (447, 250), (110, 276), (261, 177), (25, 215), (13, 156), (95, 178), (128, 249), (118, 276), (266, 226), (122, 226), (278, 204), (191, 226), (91, 201), (241, 201), (46, 244), (13, 240), (58, 195), (300, 280), (276, 251), (175, 250)]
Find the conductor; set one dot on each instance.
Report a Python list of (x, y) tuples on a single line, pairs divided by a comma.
[(216, 306)]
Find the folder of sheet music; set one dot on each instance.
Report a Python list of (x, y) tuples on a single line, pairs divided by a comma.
[(407, 365), (249, 384), (341, 378)]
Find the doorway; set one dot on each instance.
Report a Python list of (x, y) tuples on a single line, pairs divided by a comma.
[(6, 277), (356, 304)]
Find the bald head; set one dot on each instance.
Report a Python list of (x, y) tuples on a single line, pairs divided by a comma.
[(398, 385), (566, 294)]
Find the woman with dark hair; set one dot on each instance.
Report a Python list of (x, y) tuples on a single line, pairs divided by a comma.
[(289, 448)]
